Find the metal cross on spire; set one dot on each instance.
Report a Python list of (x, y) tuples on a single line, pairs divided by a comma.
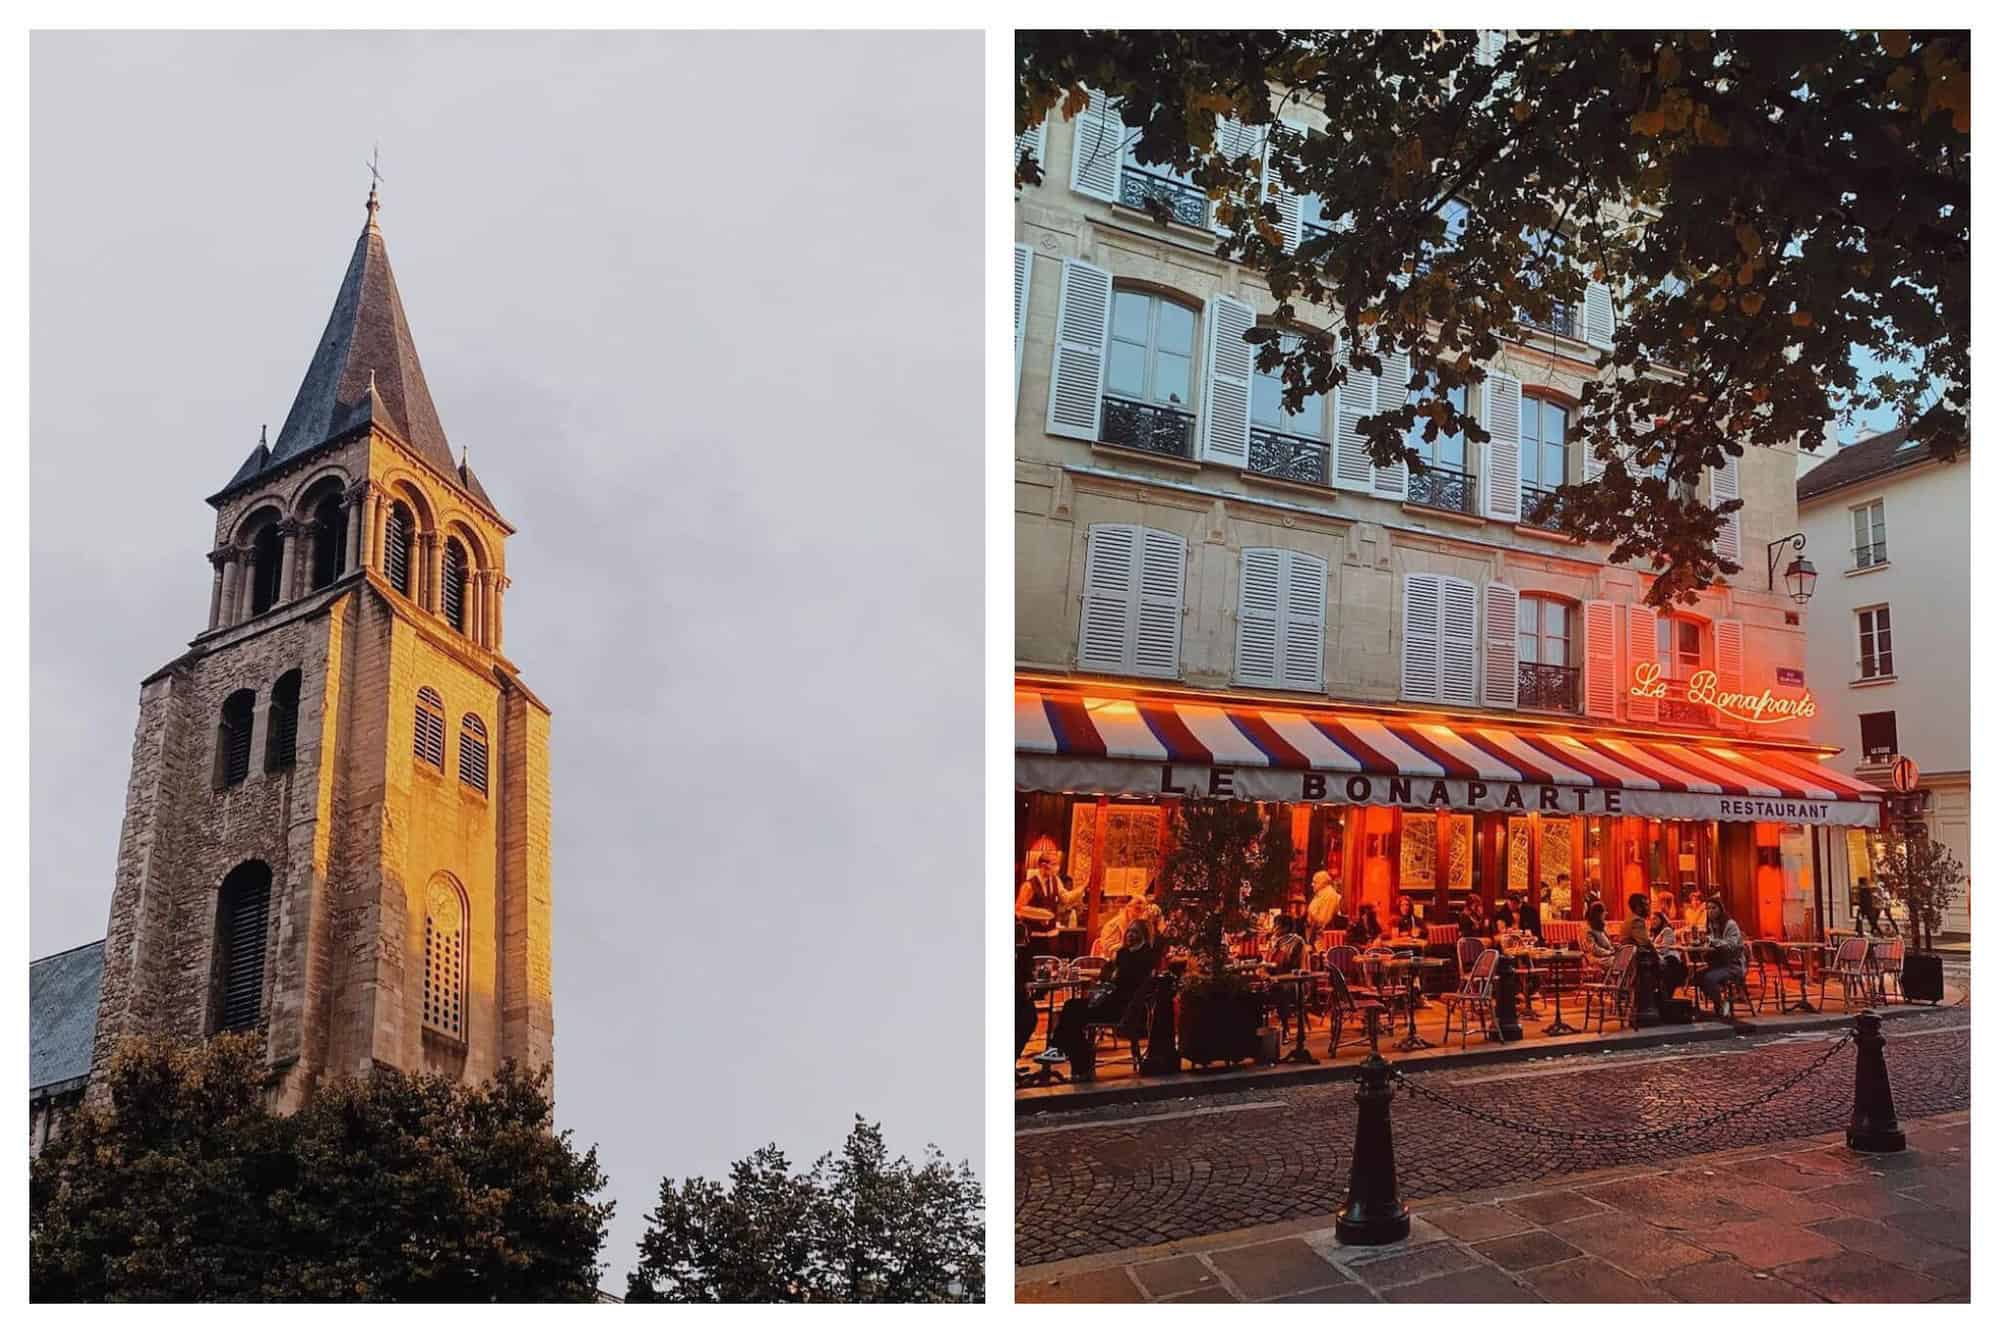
[(374, 181)]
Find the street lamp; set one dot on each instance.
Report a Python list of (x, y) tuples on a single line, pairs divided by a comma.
[(1800, 576)]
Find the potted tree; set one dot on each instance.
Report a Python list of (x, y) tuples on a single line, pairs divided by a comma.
[(1920, 872), (1228, 862)]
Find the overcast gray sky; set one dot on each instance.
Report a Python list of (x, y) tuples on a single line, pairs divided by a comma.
[(707, 310)]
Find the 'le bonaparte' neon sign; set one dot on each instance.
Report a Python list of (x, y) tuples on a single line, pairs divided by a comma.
[(1649, 681)]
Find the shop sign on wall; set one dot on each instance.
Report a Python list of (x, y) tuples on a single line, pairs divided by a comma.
[(1650, 681)]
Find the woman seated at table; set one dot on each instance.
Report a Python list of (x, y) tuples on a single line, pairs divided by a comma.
[(1597, 945), (1408, 923), (1118, 997), (1504, 915), (1673, 967), (1725, 955), (1367, 927)]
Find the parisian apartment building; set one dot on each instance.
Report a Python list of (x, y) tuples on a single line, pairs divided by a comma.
[(1892, 528), (1189, 553)]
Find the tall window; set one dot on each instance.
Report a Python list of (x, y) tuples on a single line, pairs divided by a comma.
[(266, 563), (1267, 401), (430, 728), (1679, 643), (1544, 445), (444, 959), (1878, 737), (242, 922), (1871, 545), (1152, 350), (1873, 626), (472, 752), (401, 530), (1546, 635), (1445, 482), (1454, 212), (232, 738), (1445, 450), (281, 744), (454, 584), (329, 542)]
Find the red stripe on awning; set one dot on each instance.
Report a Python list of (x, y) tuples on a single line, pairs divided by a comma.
[(1717, 772), (1172, 732), (1266, 738), (1471, 736), (1372, 760), (1848, 789), (1453, 766), (1070, 721)]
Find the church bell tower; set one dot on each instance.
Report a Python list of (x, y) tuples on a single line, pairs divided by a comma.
[(336, 828)]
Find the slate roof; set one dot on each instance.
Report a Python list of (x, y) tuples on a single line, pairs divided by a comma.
[(1864, 459), (62, 1014)]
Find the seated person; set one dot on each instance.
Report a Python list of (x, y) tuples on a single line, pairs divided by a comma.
[(1725, 955), (1504, 917), (1531, 915), (1367, 927), (1287, 953), (1118, 997), (1597, 943), (1635, 923), (1472, 920), (1673, 967), (1408, 923)]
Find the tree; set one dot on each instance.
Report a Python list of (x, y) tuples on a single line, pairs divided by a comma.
[(1763, 205), (1227, 861), (1919, 872), (856, 1228), (186, 1186)]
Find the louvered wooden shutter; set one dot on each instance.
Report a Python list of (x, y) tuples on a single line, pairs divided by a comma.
[(245, 922), (1162, 580), (1458, 643), (1225, 412), (1500, 478), (1729, 655), (1599, 322), (281, 749), (428, 741), (1035, 141), (1392, 482), (1024, 274), (1234, 139), (1302, 660), (1110, 569), (1642, 639), (1259, 607), (1423, 597), (472, 752), (397, 561), (1291, 215), (1099, 150), (1593, 466), (1083, 328), (237, 762), (1502, 675), (454, 586), (1600, 659), (1723, 485), (1352, 401)]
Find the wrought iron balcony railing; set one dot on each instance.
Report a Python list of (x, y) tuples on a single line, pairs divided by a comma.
[(1438, 487), (1149, 426), (1562, 320), (1288, 457), (1550, 687), (1185, 203), (1541, 507), (1867, 557), (1312, 231)]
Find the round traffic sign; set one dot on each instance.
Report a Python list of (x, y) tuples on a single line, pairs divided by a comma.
[(1903, 774)]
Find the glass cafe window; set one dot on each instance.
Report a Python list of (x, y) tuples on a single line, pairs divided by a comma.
[(1679, 643), (1267, 402), (1152, 350)]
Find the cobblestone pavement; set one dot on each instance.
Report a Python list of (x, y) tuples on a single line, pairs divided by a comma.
[(1095, 1181)]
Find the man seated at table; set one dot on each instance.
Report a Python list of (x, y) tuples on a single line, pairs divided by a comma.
[(1531, 915), (1504, 917), (1118, 997), (1635, 922), (1287, 953)]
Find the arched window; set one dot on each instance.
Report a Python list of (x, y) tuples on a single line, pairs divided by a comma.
[(266, 560), (242, 923), (454, 584), (430, 728), (444, 959), (472, 752), (401, 532), (329, 548), (232, 738), (281, 740)]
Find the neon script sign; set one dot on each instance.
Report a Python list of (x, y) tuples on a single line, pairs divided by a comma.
[(1649, 681)]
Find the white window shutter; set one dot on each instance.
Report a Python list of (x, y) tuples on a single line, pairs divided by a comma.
[(1599, 321), (1225, 407), (1600, 659), (1302, 631), (1290, 214), (1083, 331), (1393, 482), (1593, 466), (1723, 485), (1423, 597), (1729, 655), (1351, 402), (1035, 141), (1099, 150), (1458, 643), (1162, 578), (1110, 576), (1024, 273), (1502, 676), (1500, 479), (1641, 645), (1491, 42), (1259, 608), (1234, 139)]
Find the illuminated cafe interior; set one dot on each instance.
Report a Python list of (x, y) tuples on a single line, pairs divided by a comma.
[(1092, 776)]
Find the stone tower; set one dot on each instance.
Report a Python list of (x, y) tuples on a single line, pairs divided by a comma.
[(337, 824)]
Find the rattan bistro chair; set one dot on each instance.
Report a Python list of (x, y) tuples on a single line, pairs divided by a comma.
[(1613, 992), (1473, 996), (1885, 960), (1360, 1001), (1087, 968), (1777, 967), (1850, 969)]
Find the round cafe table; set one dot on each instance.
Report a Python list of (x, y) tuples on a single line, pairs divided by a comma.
[(1415, 966), (1045, 1071), (1557, 959), (1299, 981)]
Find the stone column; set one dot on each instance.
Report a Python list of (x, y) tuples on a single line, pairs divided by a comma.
[(356, 514), (217, 559), (232, 584), (500, 585), (371, 555), (288, 563), (433, 548), (475, 607)]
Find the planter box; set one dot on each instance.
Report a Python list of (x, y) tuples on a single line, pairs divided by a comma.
[(1923, 977), (1219, 1029)]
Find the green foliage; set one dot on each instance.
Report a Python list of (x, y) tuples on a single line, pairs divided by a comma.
[(1763, 204), (187, 1187), (1919, 872), (1227, 862), (855, 1228)]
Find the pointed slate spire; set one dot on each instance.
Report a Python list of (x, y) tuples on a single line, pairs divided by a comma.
[(365, 368)]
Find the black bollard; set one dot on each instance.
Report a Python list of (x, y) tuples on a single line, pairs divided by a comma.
[(1162, 1055), (1372, 1214), (1506, 999), (1873, 1128), (1646, 988)]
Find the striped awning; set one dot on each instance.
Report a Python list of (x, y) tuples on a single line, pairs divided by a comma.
[(1077, 742)]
